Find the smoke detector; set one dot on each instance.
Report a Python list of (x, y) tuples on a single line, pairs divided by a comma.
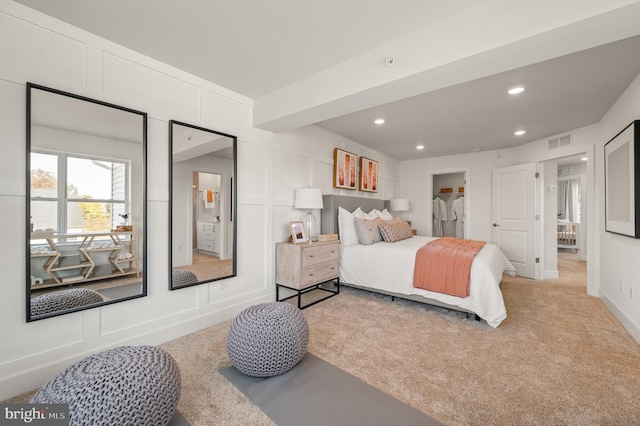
[(390, 61)]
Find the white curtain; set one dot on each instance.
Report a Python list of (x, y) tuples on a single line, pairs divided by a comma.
[(569, 200)]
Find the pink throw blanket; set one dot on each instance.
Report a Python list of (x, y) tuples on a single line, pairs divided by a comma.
[(444, 265)]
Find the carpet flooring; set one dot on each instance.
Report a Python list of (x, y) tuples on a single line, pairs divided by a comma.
[(560, 358)]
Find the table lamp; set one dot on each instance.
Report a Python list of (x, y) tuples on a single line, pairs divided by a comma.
[(309, 198), (399, 205)]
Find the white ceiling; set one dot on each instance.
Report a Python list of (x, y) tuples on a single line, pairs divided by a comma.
[(265, 49)]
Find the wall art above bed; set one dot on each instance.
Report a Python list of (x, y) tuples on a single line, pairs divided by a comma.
[(344, 169), (622, 182), (368, 175)]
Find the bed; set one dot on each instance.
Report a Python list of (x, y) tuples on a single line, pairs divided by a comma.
[(387, 268)]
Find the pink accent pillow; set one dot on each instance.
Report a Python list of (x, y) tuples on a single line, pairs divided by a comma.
[(393, 231), (368, 231)]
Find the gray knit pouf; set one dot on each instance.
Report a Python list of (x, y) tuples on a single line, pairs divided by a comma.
[(182, 278), (63, 300), (268, 339), (129, 385)]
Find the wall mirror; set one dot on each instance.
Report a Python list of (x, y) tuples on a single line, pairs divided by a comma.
[(203, 205), (86, 177)]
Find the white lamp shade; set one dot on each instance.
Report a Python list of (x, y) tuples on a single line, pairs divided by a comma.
[(308, 198), (400, 205)]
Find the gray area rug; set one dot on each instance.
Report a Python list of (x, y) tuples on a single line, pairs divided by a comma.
[(316, 392)]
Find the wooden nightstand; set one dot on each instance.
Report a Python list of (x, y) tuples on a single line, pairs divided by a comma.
[(304, 267)]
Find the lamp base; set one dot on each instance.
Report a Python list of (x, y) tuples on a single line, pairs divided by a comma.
[(310, 226)]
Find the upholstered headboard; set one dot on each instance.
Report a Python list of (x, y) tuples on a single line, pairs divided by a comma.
[(332, 202)]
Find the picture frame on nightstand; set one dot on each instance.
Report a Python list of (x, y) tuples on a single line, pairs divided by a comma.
[(298, 235)]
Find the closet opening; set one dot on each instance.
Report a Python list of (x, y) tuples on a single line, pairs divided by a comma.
[(448, 205)]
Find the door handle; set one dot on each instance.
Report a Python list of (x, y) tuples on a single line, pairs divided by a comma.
[(495, 224)]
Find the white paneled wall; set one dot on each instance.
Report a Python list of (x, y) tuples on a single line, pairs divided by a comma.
[(304, 157), (36, 48), (39, 49)]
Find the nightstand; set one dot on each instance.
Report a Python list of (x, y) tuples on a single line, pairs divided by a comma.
[(304, 267)]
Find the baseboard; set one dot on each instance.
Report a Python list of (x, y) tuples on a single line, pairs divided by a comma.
[(25, 380), (551, 275), (632, 328)]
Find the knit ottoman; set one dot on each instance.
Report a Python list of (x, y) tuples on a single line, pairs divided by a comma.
[(129, 385), (268, 339), (63, 300), (182, 278)]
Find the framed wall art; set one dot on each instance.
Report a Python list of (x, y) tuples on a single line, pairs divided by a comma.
[(344, 169), (368, 175), (622, 182)]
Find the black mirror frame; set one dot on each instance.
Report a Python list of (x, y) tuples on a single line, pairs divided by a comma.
[(233, 204), (143, 293)]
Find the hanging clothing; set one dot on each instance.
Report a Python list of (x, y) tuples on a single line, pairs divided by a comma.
[(457, 214), (439, 214)]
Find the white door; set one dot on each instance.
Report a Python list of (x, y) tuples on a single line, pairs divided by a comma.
[(514, 216)]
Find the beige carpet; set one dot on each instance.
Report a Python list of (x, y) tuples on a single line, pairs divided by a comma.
[(559, 358)]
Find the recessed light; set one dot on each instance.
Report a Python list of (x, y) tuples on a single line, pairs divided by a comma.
[(519, 132), (379, 121), (515, 90), (584, 159), (419, 146)]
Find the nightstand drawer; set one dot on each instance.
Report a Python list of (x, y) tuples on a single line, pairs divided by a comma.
[(321, 253), (319, 272)]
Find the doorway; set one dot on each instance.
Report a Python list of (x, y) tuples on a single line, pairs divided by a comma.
[(565, 200), (208, 228)]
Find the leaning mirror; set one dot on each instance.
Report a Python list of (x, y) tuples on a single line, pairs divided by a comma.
[(203, 205), (86, 210)]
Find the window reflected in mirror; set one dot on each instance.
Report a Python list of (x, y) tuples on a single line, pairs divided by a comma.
[(86, 210), (203, 223)]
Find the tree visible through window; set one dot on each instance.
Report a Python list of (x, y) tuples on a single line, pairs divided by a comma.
[(71, 194)]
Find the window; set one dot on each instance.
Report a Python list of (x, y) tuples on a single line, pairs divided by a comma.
[(73, 194)]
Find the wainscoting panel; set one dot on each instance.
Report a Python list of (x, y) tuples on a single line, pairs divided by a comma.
[(299, 141), (42, 56), (252, 162), (294, 171), (126, 80), (225, 112), (12, 123)]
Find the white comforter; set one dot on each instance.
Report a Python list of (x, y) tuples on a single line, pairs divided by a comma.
[(389, 267)]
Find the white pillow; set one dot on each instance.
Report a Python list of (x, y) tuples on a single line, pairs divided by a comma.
[(384, 214), (373, 214), (347, 226)]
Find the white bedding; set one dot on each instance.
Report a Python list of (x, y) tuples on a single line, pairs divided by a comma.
[(389, 267)]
